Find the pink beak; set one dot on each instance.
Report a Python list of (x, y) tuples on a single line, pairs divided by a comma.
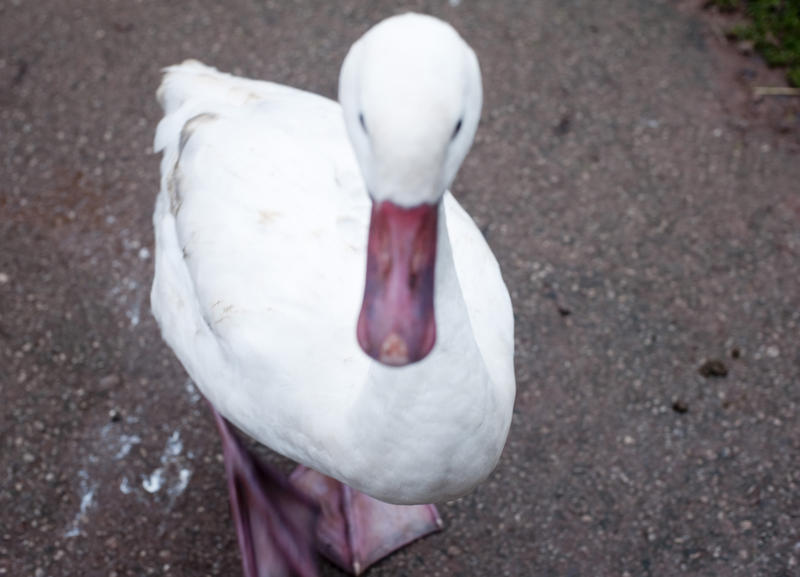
[(397, 324)]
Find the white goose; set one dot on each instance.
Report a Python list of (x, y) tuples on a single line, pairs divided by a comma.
[(275, 206)]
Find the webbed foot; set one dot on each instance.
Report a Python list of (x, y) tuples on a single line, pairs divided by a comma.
[(355, 530)]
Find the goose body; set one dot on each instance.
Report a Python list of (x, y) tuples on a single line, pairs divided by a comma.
[(261, 230)]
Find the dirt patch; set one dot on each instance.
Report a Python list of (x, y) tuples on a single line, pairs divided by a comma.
[(742, 76)]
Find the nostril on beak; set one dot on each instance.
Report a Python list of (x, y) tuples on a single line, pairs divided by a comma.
[(394, 350)]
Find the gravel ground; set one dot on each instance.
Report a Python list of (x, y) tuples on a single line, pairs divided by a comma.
[(647, 222)]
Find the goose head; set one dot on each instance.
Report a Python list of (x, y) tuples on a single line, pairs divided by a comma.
[(411, 94)]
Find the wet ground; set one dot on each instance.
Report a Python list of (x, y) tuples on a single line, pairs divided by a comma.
[(646, 214)]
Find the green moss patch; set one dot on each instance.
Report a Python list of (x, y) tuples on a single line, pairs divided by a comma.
[(774, 29)]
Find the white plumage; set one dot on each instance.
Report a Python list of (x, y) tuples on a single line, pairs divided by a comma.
[(261, 228)]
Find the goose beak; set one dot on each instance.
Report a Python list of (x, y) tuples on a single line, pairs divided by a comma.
[(397, 325)]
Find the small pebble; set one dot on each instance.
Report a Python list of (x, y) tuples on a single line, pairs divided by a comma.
[(110, 381), (680, 406), (713, 368)]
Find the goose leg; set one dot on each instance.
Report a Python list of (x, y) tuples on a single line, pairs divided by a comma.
[(274, 521), (355, 530)]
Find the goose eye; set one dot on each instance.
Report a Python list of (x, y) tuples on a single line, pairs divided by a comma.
[(457, 129), (363, 122)]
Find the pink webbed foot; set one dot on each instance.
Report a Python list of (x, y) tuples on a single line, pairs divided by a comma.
[(274, 521), (355, 530)]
